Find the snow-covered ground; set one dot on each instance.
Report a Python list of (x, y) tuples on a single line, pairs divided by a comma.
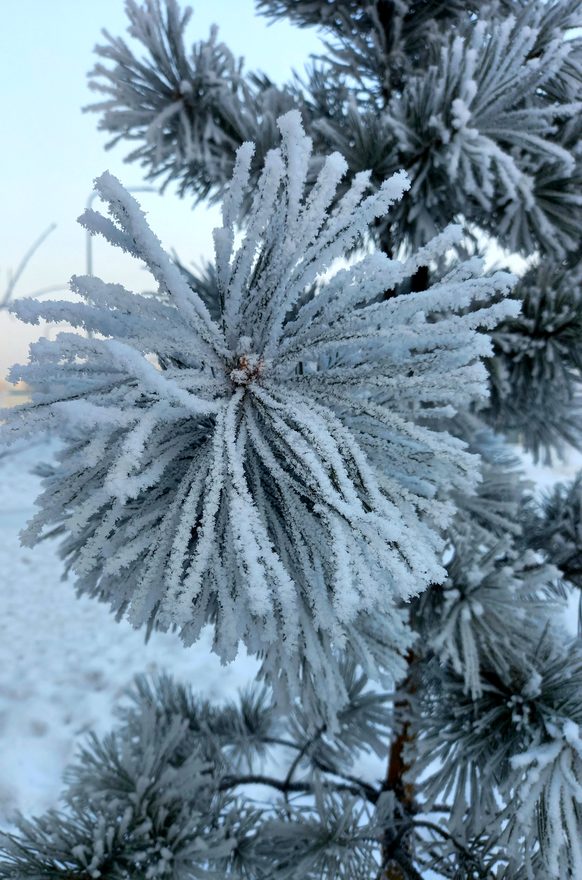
[(64, 661)]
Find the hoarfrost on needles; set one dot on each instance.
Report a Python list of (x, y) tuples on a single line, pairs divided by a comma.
[(274, 472)]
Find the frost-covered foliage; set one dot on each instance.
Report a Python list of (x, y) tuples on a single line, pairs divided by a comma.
[(478, 102), (186, 789), (189, 111), (554, 527), (265, 471), (551, 798), (176, 792), (135, 807), (476, 131), (509, 761), (295, 445), (492, 513), (377, 42), (536, 371), (479, 615), (204, 281), (488, 131)]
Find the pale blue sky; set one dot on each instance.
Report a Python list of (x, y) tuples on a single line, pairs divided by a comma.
[(50, 151)]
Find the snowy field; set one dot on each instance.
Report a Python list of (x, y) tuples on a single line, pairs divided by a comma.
[(65, 661)]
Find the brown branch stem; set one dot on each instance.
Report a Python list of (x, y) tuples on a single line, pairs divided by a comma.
[(396, 846)]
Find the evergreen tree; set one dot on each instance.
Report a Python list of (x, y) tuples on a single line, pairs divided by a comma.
[(310, 455)]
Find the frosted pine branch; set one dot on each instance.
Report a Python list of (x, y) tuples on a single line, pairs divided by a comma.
[(271, 472), (551, 796), (481, 132), (184, 110)]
